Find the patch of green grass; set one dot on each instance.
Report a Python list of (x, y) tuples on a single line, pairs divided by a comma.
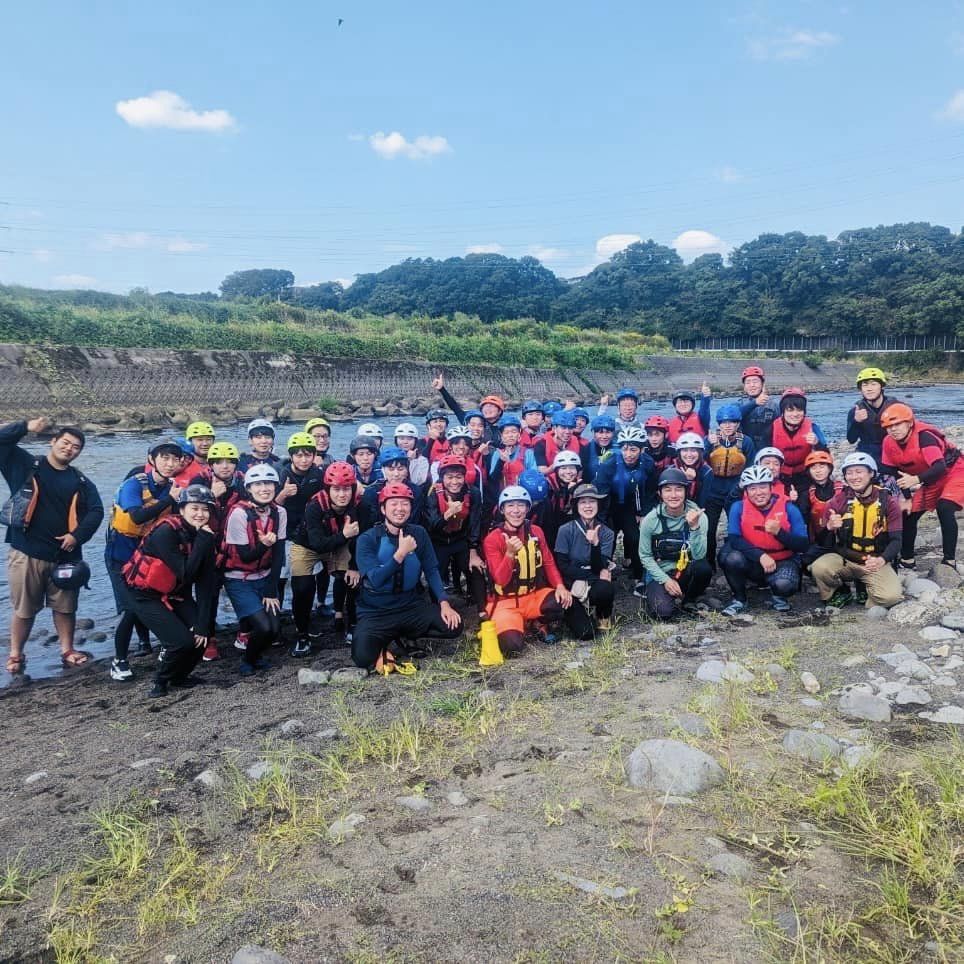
[(16, 882)]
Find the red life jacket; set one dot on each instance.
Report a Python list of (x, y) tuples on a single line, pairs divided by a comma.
[(148, 573), (257, 525), (794, 447), (665, 459), (435, 448), (818, 506), (471, 470), (528, 439), (679, 424), (334, 520), (552, 447), (475, 456), (560, 496), (908, 456), (693, 486), (751, 527), (512, 469), (455, 523)]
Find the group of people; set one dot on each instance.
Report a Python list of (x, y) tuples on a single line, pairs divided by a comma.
[(520, 513)]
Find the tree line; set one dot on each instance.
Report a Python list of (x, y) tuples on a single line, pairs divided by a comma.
[(899, 279)]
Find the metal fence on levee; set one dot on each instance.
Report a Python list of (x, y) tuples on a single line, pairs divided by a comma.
[(806, 343)]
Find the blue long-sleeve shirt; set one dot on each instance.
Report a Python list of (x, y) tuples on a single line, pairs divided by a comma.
[(796, 538), (388, 584)]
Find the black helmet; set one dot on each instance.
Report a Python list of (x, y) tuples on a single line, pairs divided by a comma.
[(71, 575), (672, 476), (196, 495)]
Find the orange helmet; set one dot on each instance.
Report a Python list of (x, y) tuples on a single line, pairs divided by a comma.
[(495, 400), (898, 412), (818, 457)]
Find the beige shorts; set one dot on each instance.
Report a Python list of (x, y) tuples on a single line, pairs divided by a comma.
[(304, 562), (31, 588)]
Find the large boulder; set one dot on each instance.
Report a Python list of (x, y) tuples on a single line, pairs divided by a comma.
[(915, 613)]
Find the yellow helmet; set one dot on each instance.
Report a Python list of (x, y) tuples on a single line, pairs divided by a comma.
[(223, 450), (196, 429), (866, 375), (301, 440), (315, 422)]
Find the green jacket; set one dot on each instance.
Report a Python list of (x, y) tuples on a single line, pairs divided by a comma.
[(657, 523)]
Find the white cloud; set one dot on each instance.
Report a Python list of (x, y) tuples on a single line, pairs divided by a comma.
[(493, 248), (164, 108), (42, 255), (546, 254), (691, 244), (729, 175), (395, 145), (126, 240), (610, 244), (183, 246), (791, 44), (75, 280), (953, 110)]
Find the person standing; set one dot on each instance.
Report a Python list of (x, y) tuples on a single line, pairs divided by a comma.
[(54, 510), (863, 420)]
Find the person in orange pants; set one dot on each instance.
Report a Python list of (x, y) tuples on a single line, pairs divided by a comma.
[(527, 585)]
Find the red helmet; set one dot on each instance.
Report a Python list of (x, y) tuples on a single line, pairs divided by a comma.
[(750, 371), (339, 473), (495, 400), (793, 392), (898, 412), (451, 461), (657, 421), (394, 490)]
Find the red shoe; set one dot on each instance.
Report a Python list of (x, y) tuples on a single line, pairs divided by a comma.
[(211, 653)]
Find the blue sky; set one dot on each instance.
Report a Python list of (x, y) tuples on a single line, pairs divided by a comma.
[(561, 129)]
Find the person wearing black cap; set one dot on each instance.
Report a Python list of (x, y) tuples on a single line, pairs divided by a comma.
[(584, 554), (53, 510), (672, 549)]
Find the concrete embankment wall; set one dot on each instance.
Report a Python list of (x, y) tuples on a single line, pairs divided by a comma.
[(130, 389)]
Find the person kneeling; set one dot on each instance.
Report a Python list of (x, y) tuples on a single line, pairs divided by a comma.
[(672, 549), (528, 585), (866, 523), (766, 536), (584, 554), (392, 557), (174, 558)]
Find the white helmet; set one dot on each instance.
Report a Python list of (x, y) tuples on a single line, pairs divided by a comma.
[(370, 430), (689, 440), (458, 431), (755, 475), (768, 451), (406, 430), (631, 435), (260, 424), (859, 458), (514, 493), (262, 472), (565, 457)]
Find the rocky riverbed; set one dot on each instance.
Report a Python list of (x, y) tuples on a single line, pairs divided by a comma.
[(766, 787)]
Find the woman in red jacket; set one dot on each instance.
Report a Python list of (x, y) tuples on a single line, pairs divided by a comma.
[(930, 473)]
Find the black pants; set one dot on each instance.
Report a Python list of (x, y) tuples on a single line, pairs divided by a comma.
[(374, 630), (128, 621), (458, 554), (602, 597), (174, 627), (623, 519), (693, 581), (713, 512), (739, 571), (946, 516), (263, 628)]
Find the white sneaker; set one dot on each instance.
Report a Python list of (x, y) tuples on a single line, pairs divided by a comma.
[(120, 671)]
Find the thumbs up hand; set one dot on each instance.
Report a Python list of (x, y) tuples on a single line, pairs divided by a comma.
[(772, 525)]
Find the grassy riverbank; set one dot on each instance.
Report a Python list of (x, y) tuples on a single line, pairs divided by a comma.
[(97, 319)]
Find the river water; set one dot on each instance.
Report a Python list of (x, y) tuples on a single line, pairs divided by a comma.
[(107, 460)]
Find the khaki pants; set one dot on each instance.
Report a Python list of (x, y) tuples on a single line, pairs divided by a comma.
[(30, 587), (830, 571)]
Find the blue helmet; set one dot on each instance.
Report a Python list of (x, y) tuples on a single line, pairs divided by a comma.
[(627, 392), (186, 447), (531, 406), (728, 413), (604, 421), (392, 453), (472, 413), (534, 482), (550, 408), (580, 413), (510, 420), (564, 419)]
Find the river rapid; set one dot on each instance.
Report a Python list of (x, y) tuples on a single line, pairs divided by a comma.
[(106, 460)]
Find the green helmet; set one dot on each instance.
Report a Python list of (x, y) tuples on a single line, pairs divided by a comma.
[(871, 374), (301, 440)]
